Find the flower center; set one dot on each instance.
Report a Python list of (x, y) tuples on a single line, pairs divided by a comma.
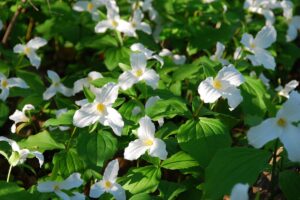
[(27, 50), (252, 45), (56, 187), (90, 6), (148, 142), (56, 84), (217, 84), (114, 23), (139, 73), (281, 122), (100, 107), (4, 83), (133, 24), (107, 184)]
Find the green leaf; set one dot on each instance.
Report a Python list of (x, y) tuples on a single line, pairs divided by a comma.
[(100, 82), (88, 94), (42, 141), (4, 111), (97, 148), (67, 162), (142, 196), (170, 190), (115, 55), (143, 179), (233, 165), (289, 183), (186, 71), (63, 119), (202, 138), (9, 191), (180, 160), (33, 80)]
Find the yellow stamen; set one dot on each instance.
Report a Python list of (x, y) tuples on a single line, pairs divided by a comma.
[(133, 24), (90, 6), (148, 142), (100, 107), (107, 184), (4, 83), (27, 50), (56, 84), (281, 122), (217, 84), (114, 23), (139, 73), (252, 45), (56, 187)]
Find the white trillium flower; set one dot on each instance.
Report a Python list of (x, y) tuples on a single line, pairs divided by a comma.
[(89, 6), (77, 196), (138, 47), (114, 22), (56, 87), (73, 181), (263, 39), (19, 155), (86, 82), (177, 59), (7, 83), (281, 127), (293, 21), (29, 50), (219, 53), (20, 116), (239, 192), (100, 110), (108, 184), (223, 85), (289, 87), (138, 73), (146, 142), (137, 23)]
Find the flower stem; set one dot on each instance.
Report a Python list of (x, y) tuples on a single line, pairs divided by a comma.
[(196, 113), (72, 134), (9, 172), (119, 36), (274, 174)]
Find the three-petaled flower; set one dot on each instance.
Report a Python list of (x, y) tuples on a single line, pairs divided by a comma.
[(20, 116), (7, 83)]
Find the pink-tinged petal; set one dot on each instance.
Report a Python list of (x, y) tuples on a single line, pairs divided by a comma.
[(85, 116), (96, 190), (290, 139), (36, 43), (102, 26), (135, 149), (19, 48), (118, 192), (146, 129), (265, 37), (114, 120), (126, 80), (17, 82), (151, 78), (231, 74), (73, 181), (111, 171), (49, 93), (268, 130), (158, 149), (207, 92)]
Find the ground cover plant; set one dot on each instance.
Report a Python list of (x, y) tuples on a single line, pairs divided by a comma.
[(149, 99)]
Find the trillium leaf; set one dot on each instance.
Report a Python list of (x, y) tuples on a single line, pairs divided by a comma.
[(9, 191), (233, 165), (202, 138), (180, 160), (4, 111), (63, 119), (289, 182), (115, 55)]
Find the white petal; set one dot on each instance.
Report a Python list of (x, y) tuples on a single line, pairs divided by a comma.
[(78, 196), (49, 93), (231, 74), (254, 60), (80, 6), (165, 52), (269, 16), (114, 120), (17, 82), (47, 186), (27, 107), (102, 26), (138, 61), (179, 59), (158, 149), (151, 78), (239, 192), (161, 61), (290, 139), (62, 195), (146, 129), (265, 37), (81, 102), (19, 48), (12, 143), (219, 51), (151, 101), (145, 28), (207, 92), (118, 192), (36, 43), (265, 58), (141, 48), (233, 96), (126, 80), (64, 90), (18, 117), (135, 149), (4, 94), (289, 109), (53, 76), (107, 94), (95, 75), (247, 40), (73, 181), (85, 116), (96, 190), (126, 28), (111, 171), (79, 84), (292, 33), (266, 131), (39, 156)]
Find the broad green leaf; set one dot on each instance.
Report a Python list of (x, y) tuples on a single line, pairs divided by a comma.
[(33, 80), (142, 196), (115, 55), (90, 96), (63, 119), (289, 183), (67, 162), (100, 82), (97, 147), (233, 165), (170, 190), (143, 179), (202, 138), (4, 111), (186, 71), (180, 160), (42, 141), (10, 191), (132, 110)]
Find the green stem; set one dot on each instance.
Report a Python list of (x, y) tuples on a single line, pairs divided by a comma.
[(9, 172), (274, 174), (196, 113), (19, 61), (72, 134), (120, 39)]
